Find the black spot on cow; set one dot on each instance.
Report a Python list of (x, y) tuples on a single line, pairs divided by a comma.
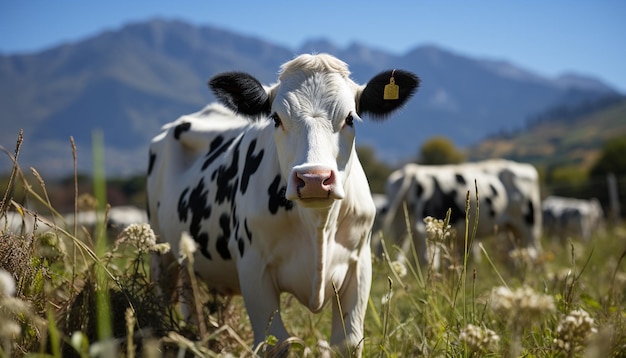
[(277, 196), (529, 216), (460, 179), (148, 208), (238, 239), (198, 205), (225, 177), (494, 191), (151, 162), (420, 190), (438, 204), (216, 148), (490, 209), (221, 245), (180, 129), (241, 246), (250, 166), (215, 143), (202, 238), (248, 232), (183, 206)]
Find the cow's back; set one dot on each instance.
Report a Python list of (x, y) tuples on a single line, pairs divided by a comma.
[(181, 195), (523, 214), (447, 187)]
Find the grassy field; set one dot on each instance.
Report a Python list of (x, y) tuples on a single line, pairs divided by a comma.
[(87, 292)]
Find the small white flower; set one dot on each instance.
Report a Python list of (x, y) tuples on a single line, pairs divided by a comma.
[(399, 268), (162, 248), (187, 246), (10, 329), (436, 230), (478, 339), (522, 305), (7, 284), (573, 331), (141, 235)]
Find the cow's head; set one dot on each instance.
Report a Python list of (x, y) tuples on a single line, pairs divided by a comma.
[(314, 108)]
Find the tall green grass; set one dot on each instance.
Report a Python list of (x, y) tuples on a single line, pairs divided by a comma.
[(568, 302)]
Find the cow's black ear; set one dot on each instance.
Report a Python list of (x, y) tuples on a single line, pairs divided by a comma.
[(379, 101), (241, 93)]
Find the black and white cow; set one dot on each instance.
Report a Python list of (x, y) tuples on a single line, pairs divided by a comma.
[(508, 193), (569, 217), (271, 189)]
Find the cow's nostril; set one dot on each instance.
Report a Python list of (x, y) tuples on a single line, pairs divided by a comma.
[(330, 180), (299, 181)]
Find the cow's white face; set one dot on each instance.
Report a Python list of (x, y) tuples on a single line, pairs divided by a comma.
[(314, 120), (314, 107)]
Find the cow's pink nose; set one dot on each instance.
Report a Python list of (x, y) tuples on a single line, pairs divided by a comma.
[(317, 184)]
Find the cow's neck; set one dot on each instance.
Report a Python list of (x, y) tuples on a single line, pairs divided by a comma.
[(324, 225)]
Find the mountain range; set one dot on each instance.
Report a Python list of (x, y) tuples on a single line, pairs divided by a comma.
[(128, 82)]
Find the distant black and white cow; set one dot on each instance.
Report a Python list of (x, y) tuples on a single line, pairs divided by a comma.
[(508, 192), (278, 200), (569, 217)]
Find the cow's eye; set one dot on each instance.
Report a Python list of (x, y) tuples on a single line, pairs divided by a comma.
[(276, 118), (350, 120)]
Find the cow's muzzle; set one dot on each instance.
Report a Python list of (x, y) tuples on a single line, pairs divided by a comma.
[(314, 184)]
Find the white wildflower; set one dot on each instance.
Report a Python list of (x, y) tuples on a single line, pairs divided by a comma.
[(15, 305), (399, 268), (573, 330), (436, 230), (10, 329), (161, 248), (526, 258), (521, 306), (523, 255), (479, 339), (187, 246), (7, 284), (141, 235)]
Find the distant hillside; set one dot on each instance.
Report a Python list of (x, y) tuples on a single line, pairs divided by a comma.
[(562, 136), (130, 81)]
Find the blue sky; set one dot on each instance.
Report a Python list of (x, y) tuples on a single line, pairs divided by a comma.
[(549, 37)]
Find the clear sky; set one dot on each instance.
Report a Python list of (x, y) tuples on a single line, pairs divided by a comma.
[(549, 37)]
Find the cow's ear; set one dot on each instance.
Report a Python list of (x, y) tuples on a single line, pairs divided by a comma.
[(241, 93), (387, 92)]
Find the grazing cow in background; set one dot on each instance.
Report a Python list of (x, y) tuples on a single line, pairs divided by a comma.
[(119, 217), (12, 222), (122, 216), (508, 194), (272, 191), (569, 217)]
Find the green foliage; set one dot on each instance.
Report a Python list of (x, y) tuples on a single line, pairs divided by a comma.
[(439, 150), (571, 176), (376, 171), (612, 158), (567, 137)]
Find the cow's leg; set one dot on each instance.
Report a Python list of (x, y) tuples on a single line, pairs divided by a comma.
[(350, 312), (261, 297)]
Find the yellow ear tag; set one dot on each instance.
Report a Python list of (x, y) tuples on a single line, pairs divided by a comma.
[(392, 91)]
